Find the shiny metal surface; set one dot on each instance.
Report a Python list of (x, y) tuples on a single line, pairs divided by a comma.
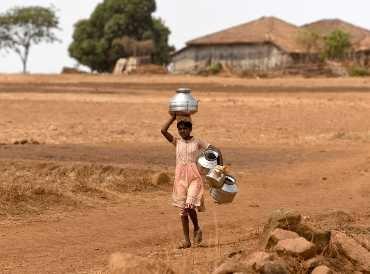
[(215, 178), (207, 160), (227, 193), (183, 103)]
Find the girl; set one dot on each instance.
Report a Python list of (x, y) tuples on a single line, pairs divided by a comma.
[(188, 187)]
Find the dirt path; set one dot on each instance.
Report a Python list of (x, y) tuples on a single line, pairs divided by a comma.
[(297, 143), (308, 179)]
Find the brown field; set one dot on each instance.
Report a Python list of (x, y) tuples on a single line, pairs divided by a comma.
[(80, 158)]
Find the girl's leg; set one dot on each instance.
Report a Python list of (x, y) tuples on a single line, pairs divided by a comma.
[(194, 218), (197, 231), (185, 229)]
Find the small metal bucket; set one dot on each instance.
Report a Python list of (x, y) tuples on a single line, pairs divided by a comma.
[(215, 178), (227, 193)]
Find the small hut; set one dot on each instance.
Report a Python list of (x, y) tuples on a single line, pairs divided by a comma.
[(262, 45)]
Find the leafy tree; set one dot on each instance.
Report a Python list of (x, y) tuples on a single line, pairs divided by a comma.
[(22, 27), (132, 47), (160, 35), (337, 44), (111, 30), (311, 41)]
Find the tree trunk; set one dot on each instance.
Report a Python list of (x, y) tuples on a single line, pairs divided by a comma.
[(25, 58), (24, 64)]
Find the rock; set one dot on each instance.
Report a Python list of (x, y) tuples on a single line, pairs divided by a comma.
[(280, 218), (124, 263), (320, 238), (351, 249), (161, 178), (69, 70), (363, 239), (52, 128), (258, 259), (233, 266), (312, 263), (34, 142), (275, 267), (280, 234), (299, 247), (322, 269)]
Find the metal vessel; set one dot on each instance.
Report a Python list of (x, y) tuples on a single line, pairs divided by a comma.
[(227, 193), (207, 160), (183, 103), (216, 177)]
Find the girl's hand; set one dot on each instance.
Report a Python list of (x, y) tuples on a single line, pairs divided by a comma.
[(166, 126)]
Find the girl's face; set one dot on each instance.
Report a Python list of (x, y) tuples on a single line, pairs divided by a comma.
[(184, 132)]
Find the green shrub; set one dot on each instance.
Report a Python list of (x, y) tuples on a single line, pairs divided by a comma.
[(359, 72), (214, 68), (337, 44)]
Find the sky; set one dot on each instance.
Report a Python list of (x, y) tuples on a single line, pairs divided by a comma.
[(187, 19)]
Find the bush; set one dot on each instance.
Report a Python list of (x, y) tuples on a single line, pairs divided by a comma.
[(359, 72), (214, 68), (337, 44)]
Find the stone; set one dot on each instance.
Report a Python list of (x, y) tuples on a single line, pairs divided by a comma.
[(258, 259), (52, 128), (233, 266), (120, 66), (298, 247), (280, 218), (275, 267), (363, 239), (125, 263), (312, 263), (351, 249), (161, 178), (320, 238), (322, 269), (280, 234)]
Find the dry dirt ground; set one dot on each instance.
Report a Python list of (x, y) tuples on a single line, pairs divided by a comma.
[(83, 183)]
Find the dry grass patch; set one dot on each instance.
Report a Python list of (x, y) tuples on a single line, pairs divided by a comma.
[(29, 187)]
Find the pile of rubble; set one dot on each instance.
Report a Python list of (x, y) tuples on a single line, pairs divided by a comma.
[(288, 245)]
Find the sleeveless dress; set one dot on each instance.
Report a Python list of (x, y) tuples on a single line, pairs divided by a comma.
[(188, 186)]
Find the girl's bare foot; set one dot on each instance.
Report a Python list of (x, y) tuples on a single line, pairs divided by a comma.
[(184, 244)]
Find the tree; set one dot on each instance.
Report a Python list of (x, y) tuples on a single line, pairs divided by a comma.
[(160, 36), (111, 31), (337, 44), (311, 41), (132, 47), (22, 27)]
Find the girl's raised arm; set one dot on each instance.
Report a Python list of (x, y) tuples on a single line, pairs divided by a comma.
[(220, 160), (165, 128)]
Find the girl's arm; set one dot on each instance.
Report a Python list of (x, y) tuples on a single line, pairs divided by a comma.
[(220, 160), (165, 128)]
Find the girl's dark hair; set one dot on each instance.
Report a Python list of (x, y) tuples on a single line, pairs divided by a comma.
[(186, 124)]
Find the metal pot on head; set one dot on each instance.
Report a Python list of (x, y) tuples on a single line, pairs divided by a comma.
[(183, 103)]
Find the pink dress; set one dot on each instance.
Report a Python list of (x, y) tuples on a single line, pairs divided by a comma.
[(188, 187)]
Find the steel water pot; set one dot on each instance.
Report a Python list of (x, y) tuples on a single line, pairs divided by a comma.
[(183, 103), (207, 160), (216, 177), (227, 193)]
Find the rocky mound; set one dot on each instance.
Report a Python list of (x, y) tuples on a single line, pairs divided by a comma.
[(288, 245)]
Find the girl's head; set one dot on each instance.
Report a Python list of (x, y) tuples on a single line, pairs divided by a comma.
[(184, 128)]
